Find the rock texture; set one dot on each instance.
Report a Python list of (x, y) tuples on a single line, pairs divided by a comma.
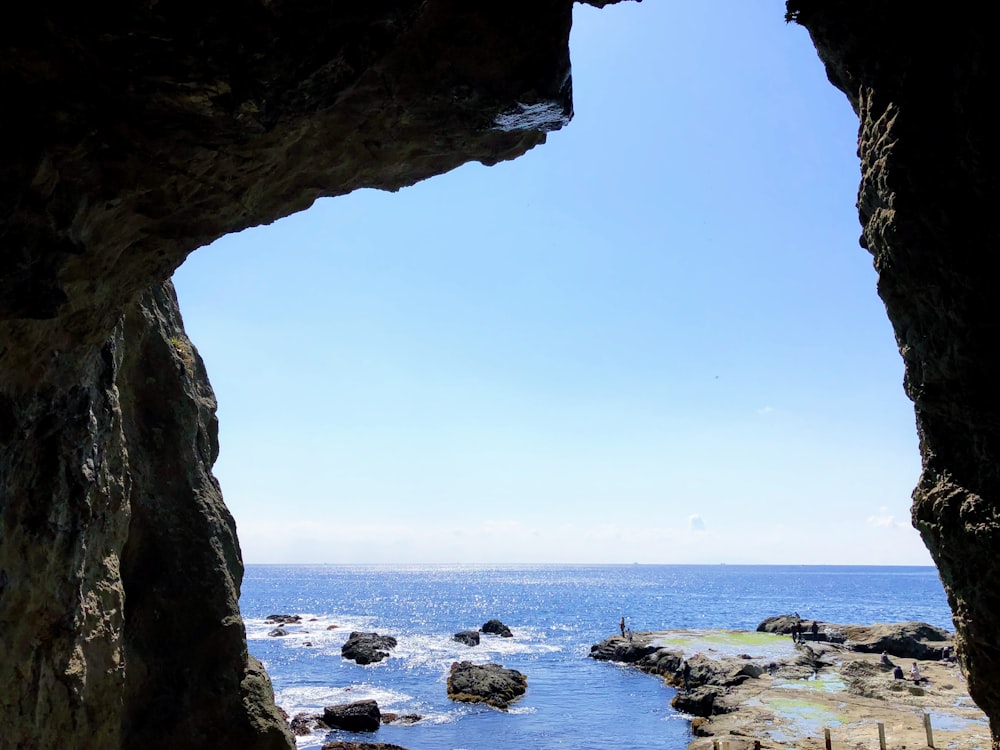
[(360, 716), (491, 684), (495, 627), (930, 181), (367, 648), (117, 552), (783, 693), (468, 637), (142, 133)]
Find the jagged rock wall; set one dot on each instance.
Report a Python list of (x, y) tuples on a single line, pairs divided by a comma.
[(119, 616), (135, 134), (184, 643), (923, 84)]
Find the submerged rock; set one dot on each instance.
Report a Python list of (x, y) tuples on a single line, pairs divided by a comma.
[(485, 683), (405, 719), (367, 648), (303, 724), (361, 746), (284, 619), (360, 716)]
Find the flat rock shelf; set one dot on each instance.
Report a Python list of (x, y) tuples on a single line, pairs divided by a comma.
[(748, 687)]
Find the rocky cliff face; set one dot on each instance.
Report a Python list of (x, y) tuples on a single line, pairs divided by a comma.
[(119, 617), (140, 132), (930, 181), (143, 132)]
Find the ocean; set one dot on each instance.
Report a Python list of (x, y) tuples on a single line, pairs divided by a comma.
[(556, 613)]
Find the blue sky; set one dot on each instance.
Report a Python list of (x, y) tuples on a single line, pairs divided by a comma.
[(653, 339)]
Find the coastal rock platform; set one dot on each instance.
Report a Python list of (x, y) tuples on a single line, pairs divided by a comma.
[(744, 687)]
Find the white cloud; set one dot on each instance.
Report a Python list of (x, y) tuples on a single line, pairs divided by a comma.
[(766, 410), (696, 522), (885, 520)]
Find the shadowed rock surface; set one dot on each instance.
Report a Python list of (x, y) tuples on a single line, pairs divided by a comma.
[(491, 684), (495, 627), (468, 637), (367, 648), (360, 716), (144, 131), (930, 182)]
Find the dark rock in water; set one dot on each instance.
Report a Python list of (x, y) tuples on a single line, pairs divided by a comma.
[(699, 701), (485, 683), (405, 719), (155, 129), (278, 632), (252, 117), (367, 648), (303, 724), (286, 619), (620, 649), (468, 637), (360, 716), (495, 627), (360, 746)]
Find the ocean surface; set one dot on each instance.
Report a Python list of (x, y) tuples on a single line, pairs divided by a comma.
[(556, 614)]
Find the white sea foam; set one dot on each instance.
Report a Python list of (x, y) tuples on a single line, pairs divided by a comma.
[(441, 650), (313, 628), (522, 710), (313, 699)]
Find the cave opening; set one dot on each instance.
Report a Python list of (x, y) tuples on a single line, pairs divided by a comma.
[(664, 307)]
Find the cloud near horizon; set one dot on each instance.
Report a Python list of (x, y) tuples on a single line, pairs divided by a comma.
[(886, 520)]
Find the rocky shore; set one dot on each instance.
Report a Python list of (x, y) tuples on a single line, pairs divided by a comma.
[(788, 682)]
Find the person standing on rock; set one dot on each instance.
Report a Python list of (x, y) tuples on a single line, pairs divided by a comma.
[(815, 631), (622, 625)]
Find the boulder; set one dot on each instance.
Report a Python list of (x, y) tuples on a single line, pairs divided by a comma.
[(468, 637), (701, 701), (619, 649), (360, 716), (367, 648), (785, 625), (495, 627), (303, 724), (491, 684), (278, 632), (905, 640)]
